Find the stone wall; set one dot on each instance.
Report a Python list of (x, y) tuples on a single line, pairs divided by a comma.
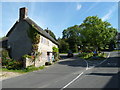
[(45, 46), (19, 42)]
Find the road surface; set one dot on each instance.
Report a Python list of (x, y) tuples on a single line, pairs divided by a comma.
[(71, 73)]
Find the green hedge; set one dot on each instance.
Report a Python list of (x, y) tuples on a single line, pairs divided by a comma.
[(10, 63)]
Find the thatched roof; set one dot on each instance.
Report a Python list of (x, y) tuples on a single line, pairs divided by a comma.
[(38, 28)]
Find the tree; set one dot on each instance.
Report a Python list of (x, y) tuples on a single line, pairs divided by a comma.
[(63, 46), (51, 33), (71, 36), (96, 33)]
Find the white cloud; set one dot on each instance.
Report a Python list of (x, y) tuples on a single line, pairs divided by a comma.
[(109, 14), (78, 6)]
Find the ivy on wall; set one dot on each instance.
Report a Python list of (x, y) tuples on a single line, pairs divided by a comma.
[(56, 53), (34, 35), (35, 38), (55, 49)]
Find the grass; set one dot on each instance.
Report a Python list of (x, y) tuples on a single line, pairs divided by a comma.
[(90, 56), (116, 50), (28, 69)]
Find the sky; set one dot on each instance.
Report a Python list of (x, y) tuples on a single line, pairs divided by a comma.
[(58, 16)]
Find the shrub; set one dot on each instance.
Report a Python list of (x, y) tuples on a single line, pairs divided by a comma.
[(27, 56), (14, 64), (5, 57), (56, 53), (85, 55), (10, 63), (91, 56)]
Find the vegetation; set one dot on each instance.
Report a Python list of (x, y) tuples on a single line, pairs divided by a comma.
[(56, 53), (35, 37), (27, 56), (96, 33), (92, 56), (28, 69), (116, 50), (10, 63), (92, 35), (64, 46), (51, 33)]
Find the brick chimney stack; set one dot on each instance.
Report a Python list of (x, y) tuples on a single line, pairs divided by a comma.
[(23, 13)]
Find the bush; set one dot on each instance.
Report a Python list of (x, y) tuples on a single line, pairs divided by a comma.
[(28, 56), (14, 64), (10, 63), (91, 56), (56, 53), (5, 57), (85, 55)]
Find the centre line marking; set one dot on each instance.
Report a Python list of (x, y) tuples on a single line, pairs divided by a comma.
[(87, 64), (83, 72), (71, 81)]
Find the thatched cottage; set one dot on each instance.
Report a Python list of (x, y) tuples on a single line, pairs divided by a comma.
[(27, 38)]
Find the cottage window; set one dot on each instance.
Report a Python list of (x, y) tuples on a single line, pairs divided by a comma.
[(42, 40), (48, 42)]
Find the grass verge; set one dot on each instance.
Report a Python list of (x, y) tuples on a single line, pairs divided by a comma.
[(116, 50), (28, 69), (91, 56)]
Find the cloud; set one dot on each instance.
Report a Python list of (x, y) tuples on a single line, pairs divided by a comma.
[(109, 14), (78, 7)]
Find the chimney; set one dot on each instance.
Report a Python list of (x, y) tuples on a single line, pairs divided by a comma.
[(23, 13)]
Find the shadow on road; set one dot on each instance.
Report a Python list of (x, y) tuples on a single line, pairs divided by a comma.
[(114, 82), (111, 62), (63, 57), (73, 62), (103, 74)]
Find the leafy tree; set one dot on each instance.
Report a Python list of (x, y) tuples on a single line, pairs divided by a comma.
[(63, 45), (51, 33), (96, 33), (71, 36)]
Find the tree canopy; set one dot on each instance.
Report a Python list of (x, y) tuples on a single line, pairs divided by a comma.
[(51, 33), (93, 32), (96, 33)]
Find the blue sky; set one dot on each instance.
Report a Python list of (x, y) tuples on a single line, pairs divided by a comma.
[(58, 16)]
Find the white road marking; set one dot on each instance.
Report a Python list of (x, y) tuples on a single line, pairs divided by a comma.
[(101, 62), (87, 64), (83, 72), (72, 81), (75, 78), (105, 59)]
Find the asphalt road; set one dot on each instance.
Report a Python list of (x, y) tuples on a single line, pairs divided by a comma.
[(71, 73)]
